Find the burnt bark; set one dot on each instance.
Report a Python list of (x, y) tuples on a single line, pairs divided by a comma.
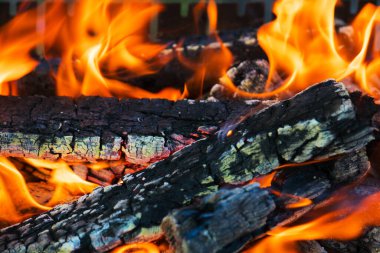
[(223, 221), (219, 219), (93, 128), (317, 123)]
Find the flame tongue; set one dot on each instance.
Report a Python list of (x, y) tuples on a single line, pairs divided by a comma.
[(307, 50)]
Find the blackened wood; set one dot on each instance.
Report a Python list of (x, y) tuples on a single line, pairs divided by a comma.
[(322, 119), (218, 220), (229, 215), (93, 128), (310, 247)]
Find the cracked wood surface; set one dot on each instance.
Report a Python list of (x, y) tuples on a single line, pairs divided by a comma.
[(226, 220), (93, 128), (322, 115)]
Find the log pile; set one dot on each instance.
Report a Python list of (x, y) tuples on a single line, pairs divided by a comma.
[(320, 135)]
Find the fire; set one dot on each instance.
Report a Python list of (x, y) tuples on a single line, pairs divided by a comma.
[(95, 42), (16, 202), (138, 248), (341, 220), (307, 49), (265, 180), (213, 62), (67, 183), (103, 38), (18, 39)]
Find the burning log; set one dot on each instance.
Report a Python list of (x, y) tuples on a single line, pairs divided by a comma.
[(220, 219), (223, 221), (317, 123), (92, 128)]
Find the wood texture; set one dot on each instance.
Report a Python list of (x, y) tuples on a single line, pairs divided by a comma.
[(219, 219), (317, 123), (93, 128), (224, 221)]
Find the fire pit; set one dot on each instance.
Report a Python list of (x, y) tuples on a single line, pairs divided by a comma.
[(180, 126)]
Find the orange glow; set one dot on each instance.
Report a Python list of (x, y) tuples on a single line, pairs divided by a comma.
[(103, 38), (299, 201), (18, 39), (212, 12), (344, 222), (215, 59), (96, 43), (307, 49), (16, 202), (67, 183), (264, 181), (138, 248)]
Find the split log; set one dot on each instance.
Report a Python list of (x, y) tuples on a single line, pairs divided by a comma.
[(230, 217), (317, 123), (219, 219), (93, 128)]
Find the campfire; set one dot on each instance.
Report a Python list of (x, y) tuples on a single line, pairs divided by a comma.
[(115, 137)]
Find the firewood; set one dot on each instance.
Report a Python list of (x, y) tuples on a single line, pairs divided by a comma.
[(249, 212), (321, 120), (93, 128), (219, 219)]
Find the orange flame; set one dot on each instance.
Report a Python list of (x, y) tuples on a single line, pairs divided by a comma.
[(95, 42), (307, 50), (67, 183), (214, 60), (17, 203), (265, 180), (138, 248), (100, 37), (345, 222), (18, 39)]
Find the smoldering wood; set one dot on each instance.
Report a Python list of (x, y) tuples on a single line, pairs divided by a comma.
[(219, 219), (225, 224), (93, 128), (322, 116)]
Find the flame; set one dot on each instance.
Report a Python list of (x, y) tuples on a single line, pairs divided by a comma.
[(307, 49), (18, 39), (101, 38), (138, 248), (343, 219), (214, 60), (17, 203), (97, 43), (265, 180), (67, 183)]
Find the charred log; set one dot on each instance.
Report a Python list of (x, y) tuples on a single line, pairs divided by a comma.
[(219, 219), (222, 221), (317, 123), (92, 128)]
